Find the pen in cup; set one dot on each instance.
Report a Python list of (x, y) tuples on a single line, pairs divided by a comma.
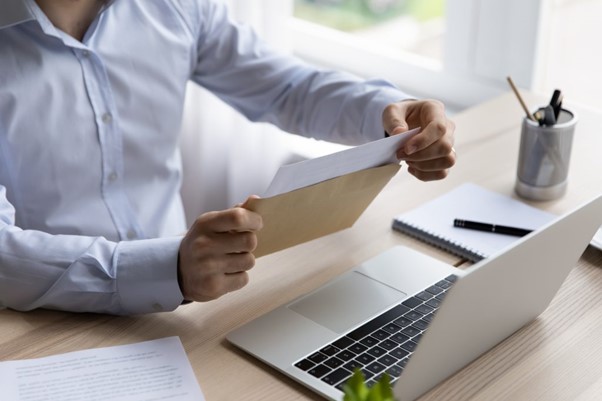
[(556, 102), (548, 115), (545, 116), (491, 228)]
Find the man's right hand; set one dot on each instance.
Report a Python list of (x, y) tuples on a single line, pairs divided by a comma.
[(215, 253)]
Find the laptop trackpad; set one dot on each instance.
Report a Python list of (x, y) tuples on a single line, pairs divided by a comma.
[(346, 302)]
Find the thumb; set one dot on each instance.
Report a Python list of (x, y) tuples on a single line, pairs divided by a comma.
[(394, 119), (245, 203)]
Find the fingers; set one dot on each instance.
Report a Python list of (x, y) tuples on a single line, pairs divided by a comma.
[(429, 154), (235, 282), (434, 169), (220, 276), (428, 175), (215, 254), (214, 287), (236, 219), (229, 264), (431, 143), (217, 244)]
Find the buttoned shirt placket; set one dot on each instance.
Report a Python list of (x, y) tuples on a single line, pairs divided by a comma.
[(111, 143), (110, 137)]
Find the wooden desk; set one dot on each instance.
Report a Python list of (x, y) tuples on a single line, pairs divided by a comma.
[(557, 357)]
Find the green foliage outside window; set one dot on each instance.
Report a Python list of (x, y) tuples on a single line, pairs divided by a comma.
[(350, 15)]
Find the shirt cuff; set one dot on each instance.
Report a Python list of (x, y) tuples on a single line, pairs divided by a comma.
[(147, 275)]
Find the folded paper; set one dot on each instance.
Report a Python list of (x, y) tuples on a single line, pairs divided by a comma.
[(317, 210)]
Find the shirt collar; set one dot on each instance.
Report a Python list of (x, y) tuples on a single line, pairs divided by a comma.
[(13, 12)]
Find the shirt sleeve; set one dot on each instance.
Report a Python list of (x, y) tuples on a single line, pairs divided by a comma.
[(84, 274), (270, 86)]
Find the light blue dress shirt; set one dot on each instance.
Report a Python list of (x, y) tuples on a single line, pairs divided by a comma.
[(90, 213)]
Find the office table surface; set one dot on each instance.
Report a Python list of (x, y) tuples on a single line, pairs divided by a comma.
[(556, 357)]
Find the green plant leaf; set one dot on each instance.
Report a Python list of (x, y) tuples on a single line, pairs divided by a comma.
[(355, 389), (382, 391), (386, 390)]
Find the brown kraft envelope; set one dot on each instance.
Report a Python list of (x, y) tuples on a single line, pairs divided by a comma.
[(317, 210)]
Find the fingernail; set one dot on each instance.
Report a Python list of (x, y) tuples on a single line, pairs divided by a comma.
[(399, 129), (411, 149)]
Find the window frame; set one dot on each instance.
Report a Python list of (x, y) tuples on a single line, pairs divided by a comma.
[(485, 42)]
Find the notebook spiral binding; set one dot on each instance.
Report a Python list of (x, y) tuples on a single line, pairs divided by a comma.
[(431, 238)]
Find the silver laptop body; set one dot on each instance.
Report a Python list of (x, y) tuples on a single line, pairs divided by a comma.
[(487, 303)]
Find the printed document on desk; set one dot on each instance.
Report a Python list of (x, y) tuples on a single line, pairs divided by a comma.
[(150, 370), (308, 172)]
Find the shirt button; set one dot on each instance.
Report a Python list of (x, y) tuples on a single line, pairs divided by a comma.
[(107, 118), (112, 177), (131, 234), (158, 307), (85, 53)]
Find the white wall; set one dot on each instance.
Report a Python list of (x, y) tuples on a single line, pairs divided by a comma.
[(571, 51)]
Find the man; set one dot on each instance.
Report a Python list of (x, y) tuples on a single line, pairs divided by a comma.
[(91, 96)]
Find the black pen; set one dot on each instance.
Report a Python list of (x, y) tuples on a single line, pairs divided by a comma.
[(556, 102), (492, 228)]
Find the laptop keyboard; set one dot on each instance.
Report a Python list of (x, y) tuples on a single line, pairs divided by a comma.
[(384, 344)]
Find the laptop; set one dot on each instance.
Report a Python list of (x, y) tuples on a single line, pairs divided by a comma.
[(414, 317)]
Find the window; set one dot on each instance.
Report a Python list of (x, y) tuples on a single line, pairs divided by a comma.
[(415, 26), (459, 51)]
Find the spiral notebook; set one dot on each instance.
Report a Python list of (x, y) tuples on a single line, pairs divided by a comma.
[(433, 222)]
